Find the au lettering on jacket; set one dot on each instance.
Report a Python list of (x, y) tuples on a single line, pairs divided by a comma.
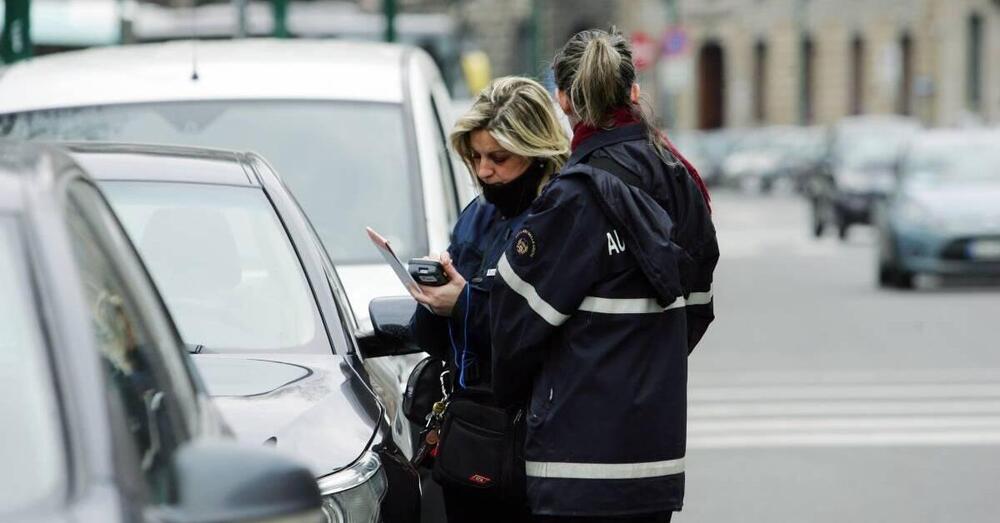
[(615, 244)]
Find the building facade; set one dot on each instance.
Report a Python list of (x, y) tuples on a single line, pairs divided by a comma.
[(761, 62)]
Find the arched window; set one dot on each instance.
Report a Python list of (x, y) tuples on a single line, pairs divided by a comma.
[(974, 67), (760, 81), (711, 86), (807, 54), (904, 103), (857, 75)]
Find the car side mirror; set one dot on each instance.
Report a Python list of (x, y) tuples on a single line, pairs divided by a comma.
[(227, 481), (391, 323)]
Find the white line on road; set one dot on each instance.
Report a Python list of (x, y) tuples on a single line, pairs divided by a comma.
[(833, 408), (916, 438), (850, 424), (858, 377), (844, 392)]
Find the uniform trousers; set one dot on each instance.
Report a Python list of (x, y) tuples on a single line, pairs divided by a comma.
[(470, 506)]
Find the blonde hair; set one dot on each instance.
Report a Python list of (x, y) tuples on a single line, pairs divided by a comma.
[(596, 71), (519, 113)]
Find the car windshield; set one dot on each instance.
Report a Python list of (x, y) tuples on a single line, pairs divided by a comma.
[(31, 452), (967, 161), (872, 148), (224, 264), (347, 163)]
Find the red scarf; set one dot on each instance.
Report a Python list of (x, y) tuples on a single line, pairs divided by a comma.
[(627, 116)]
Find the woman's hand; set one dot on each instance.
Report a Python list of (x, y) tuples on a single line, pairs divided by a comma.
[(442, 299)]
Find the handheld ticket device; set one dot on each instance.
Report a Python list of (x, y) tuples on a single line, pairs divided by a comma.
[(428, 272), (424, 272)]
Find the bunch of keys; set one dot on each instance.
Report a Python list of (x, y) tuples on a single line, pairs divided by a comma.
[(431, 435)]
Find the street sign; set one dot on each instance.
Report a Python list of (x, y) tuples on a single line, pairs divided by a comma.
[(675, 42), (644, 50)]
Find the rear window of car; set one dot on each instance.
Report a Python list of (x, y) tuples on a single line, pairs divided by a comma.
[(31, 452), (350, 164)]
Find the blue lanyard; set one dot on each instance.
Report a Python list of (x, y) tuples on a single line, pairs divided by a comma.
[(461, 363)]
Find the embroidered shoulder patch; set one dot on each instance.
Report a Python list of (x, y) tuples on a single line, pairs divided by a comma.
[(525, 245)]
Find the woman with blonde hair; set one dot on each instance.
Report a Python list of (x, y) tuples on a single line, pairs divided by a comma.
[(512, 143)]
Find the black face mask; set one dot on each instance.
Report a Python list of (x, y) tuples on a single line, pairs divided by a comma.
[(514, 197)]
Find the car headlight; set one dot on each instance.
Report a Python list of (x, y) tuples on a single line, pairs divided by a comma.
[(354, 495)]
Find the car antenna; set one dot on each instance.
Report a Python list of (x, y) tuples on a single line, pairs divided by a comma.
[(194, 40)]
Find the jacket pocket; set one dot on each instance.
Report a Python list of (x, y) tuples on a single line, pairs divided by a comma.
[(541, 402)]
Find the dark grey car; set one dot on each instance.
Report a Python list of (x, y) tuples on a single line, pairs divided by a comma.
[(104, 417), (257, 300)]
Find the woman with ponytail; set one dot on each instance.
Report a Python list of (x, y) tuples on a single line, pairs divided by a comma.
[(602, 295)]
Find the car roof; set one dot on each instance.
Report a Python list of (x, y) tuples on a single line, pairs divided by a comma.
[(246, 69), (955, 137), (162, 163)]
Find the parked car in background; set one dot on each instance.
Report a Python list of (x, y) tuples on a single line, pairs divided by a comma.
[(691, 144), (260, 306), (357, 131), (770, 156), (716, 146), (944, 216), (859, 171), (104, 416)]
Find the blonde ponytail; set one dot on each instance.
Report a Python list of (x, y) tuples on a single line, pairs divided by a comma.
[(594, 91)]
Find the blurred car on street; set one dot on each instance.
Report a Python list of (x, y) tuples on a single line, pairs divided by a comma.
[(357, 130), (691, 144), (859, 172), (105, 418), (715, 147), (944, 216), (259, 304), (771, 156)]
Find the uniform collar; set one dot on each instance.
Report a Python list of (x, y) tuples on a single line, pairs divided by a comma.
[(605, 138)]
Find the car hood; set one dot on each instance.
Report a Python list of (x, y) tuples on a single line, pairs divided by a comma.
[(312, 406), (972, 208), (366, 282)]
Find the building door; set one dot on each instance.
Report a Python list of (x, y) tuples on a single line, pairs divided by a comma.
[(711, 86)]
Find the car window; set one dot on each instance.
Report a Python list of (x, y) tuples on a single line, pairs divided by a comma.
[(32, 449), (225, 266), (444, 160), (342, 160), (138, 381)]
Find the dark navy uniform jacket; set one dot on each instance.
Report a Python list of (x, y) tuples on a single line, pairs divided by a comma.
[(478, 240), (603, 291)]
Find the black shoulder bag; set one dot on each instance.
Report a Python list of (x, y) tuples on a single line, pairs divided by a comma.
[(482, 448)]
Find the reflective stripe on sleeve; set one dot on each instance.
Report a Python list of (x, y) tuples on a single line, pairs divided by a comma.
[(528, 292), (627, 305), (653, 469), (700, 298)]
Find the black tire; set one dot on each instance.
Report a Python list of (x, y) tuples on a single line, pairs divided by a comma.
[(886, 275), (905, 279), (842, 228), (890, 276), (818, 224)]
